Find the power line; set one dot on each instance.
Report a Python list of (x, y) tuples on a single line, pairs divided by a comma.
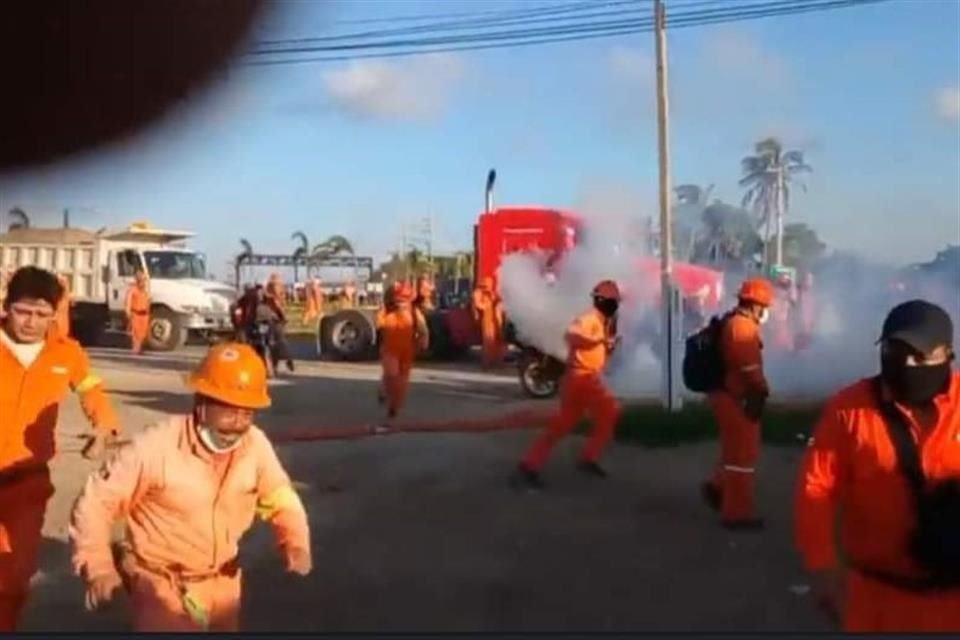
[(529, 37), (499, 17)]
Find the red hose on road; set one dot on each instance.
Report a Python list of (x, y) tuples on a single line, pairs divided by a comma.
[(524, 419)]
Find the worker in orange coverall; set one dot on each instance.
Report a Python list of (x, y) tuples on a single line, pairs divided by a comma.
[(896, 564), (37, 368), (488, 312), (138, 312), (61, 320), (425, 294), (349, 296), (189, 489), (738, 408), (277, 290), (314, 305), (402, 332), (591, 339)]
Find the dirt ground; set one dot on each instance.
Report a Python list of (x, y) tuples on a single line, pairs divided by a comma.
[(422, 533)]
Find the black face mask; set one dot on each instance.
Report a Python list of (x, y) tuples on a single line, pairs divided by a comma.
[(606, 306), (915, 385)]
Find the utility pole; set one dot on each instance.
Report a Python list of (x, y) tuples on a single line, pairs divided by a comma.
[(669, 297), (778, 260)]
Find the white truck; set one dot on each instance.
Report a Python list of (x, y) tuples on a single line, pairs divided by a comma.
[(100, 267)]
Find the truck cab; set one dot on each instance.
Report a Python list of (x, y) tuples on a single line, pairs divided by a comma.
[(183, 299)]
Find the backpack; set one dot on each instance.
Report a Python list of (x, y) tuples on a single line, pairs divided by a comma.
[(703, 369), (935, 541)]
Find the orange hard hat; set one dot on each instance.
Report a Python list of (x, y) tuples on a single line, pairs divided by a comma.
[(607, 289), (402, 292), (757, 290), (234, 374)]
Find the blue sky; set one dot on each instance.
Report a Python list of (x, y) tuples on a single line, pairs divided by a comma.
[(872, 94)]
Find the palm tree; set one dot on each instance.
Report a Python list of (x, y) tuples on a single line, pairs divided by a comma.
[(767, 176), (246, 253), (692, 201), (19, 219), (301, 251), (333, 246)]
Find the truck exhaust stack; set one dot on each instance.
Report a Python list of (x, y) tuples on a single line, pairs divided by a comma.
[(488, 194)]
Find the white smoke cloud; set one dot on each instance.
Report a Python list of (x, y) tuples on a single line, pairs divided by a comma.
[(948, 104), (415, 89), (851, 300)]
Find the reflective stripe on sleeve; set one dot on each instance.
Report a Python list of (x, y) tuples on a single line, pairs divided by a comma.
[(281, 498), (89, 383)]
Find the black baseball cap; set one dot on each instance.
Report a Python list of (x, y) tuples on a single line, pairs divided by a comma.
[(920, 324)]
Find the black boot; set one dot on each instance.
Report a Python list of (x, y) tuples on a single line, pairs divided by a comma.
[(711, 495), (745, 525), (526, 478), (591, 469)]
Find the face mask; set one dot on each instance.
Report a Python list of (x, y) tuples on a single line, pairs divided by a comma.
[(606, 306), (764, 316), (915, 385), (214, 442)]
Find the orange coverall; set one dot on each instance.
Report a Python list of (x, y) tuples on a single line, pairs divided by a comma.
[(30, 400), (849, 474), (350, 295), (276, 289), (402, 333), (488, 311), (138, 316), (186, 510), (582, 392), (741, 349), (425, 292), (314, 302)]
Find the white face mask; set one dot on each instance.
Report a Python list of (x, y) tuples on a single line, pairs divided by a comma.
[(764, 316), (213, 442)]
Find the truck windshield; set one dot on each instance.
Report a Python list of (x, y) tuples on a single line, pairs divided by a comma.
[(174, 265)]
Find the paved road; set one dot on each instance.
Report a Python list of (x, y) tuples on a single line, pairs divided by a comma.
[(420, 532)]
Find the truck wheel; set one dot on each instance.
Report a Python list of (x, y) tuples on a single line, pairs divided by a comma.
[(350, 336), (539, 378), (166, 332)]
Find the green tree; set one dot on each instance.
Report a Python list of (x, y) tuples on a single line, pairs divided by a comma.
[(691, 202), (802, 248), (301, 251), (728, 237), (18, 219), (246, 252), (767, 177)]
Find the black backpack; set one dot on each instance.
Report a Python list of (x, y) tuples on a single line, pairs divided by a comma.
[(703, 369), (935, 541)]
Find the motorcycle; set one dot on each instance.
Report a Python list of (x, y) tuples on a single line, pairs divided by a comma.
[(260, 337), (539, 373)]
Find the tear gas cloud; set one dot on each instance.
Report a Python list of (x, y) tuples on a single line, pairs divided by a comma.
[(850, 300)]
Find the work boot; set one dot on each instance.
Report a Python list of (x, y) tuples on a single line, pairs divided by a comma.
[(745, 525), (591, 469), (526, 478), (290, 366), (711, 495)]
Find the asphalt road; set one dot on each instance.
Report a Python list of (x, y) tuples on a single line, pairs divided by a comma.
[(422, 533)]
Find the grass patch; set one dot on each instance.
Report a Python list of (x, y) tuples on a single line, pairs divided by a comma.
[(651, 426)]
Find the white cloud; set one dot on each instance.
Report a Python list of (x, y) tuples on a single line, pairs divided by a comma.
[(736, 54), (948, 104), (418, 88)]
